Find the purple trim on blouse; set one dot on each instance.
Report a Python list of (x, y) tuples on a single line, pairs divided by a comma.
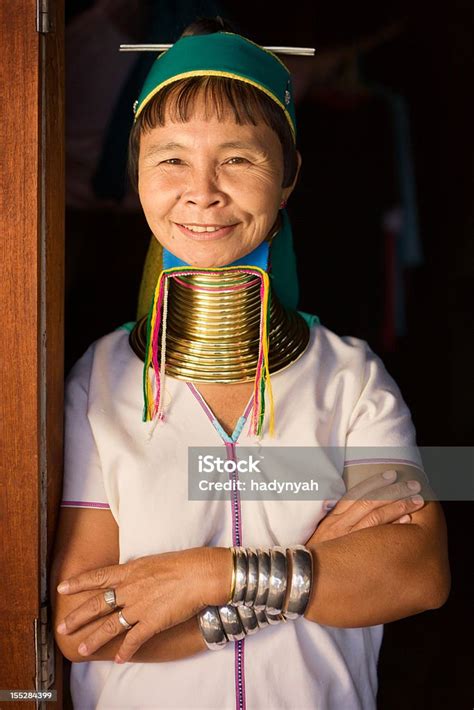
[(229, 443), (201, 401), (83, 504), (353, 462)]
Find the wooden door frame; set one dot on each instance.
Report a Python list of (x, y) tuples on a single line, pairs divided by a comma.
[(32, 332)]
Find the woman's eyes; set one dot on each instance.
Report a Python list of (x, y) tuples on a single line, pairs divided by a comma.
[(236, 160)]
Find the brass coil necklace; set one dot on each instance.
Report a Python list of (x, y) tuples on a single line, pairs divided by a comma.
[(213, 328)]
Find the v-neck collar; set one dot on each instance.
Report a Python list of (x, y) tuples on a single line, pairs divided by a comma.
[(215, 422)]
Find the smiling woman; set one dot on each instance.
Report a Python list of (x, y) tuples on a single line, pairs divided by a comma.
[(190, 136), (209, 187), (148, 574)]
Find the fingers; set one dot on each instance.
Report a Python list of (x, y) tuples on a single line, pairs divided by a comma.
[(398, 511), (134, 638), (93, 608), (362, 489), (369, 508), (369, 503), (109, 629), (101, 577)]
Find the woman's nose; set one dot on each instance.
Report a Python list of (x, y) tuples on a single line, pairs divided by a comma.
[(203, 190)]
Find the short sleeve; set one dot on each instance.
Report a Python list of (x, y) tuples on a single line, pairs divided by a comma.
[(380, 427), (83, 485)]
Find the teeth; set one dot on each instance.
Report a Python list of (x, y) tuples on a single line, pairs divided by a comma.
[(201, 229)]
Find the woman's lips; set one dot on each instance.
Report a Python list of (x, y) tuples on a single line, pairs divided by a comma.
[(206, 236)]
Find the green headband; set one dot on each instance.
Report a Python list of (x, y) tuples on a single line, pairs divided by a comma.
[(221, 54)]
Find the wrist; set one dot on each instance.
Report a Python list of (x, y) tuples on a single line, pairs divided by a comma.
[(220, 571)]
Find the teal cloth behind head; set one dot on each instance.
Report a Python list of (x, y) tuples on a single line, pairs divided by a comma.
[(283, 272), (221, 54)]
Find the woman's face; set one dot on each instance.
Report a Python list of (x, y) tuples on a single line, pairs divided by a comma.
[(210, 189)]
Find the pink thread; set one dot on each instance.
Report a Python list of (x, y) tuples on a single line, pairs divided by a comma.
[(155, 333), (164, 321), (257, 397), (221, 289), (201, 272)]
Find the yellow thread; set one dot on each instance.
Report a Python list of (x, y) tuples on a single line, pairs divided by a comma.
[(266, 373), (266, 370), (153, 267), (149, 353)]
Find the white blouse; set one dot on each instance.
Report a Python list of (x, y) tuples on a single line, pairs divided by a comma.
[(337, 394)]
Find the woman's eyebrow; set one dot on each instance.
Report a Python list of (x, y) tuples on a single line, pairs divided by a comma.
[(241, 145), (156, 148), (162, 147)]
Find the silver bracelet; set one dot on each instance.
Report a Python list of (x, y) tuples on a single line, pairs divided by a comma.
[(261, 617), (231, 622), (274, 618), (252, 576), (278, 581), (240, 568), (248, 620), (213, 620), (263, 584), (211, 628), (266, 577), (301, 565)]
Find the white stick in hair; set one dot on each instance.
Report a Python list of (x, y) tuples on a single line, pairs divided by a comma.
[(297, 51)]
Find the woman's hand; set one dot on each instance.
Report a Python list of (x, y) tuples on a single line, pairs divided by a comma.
[(388, 503), (154, 592)]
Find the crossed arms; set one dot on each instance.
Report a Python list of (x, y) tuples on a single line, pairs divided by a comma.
[(360, 557)]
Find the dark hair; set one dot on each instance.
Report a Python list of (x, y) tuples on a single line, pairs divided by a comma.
[(249, 105)]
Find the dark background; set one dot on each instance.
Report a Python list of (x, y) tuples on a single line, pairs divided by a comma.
[(348, 184)]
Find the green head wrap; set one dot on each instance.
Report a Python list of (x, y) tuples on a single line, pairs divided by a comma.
[(221, 54)]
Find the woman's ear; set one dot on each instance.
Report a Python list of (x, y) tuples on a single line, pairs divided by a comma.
[(286, 192)]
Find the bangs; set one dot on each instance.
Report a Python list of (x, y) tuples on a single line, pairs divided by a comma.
[(178, 100), (248, 105)]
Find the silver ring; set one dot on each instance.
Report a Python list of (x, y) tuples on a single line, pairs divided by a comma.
[(124, 621), (109, 597)]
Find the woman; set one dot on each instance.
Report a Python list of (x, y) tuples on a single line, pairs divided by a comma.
[(150, 587)]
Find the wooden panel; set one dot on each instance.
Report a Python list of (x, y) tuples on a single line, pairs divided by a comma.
[(54, 161), (19, 433), (31, 343), (53, 230)]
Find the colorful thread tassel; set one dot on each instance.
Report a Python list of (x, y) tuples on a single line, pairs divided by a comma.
[(157, 318)]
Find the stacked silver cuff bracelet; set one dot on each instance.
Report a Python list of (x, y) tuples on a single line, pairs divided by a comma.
[(263, 579)]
